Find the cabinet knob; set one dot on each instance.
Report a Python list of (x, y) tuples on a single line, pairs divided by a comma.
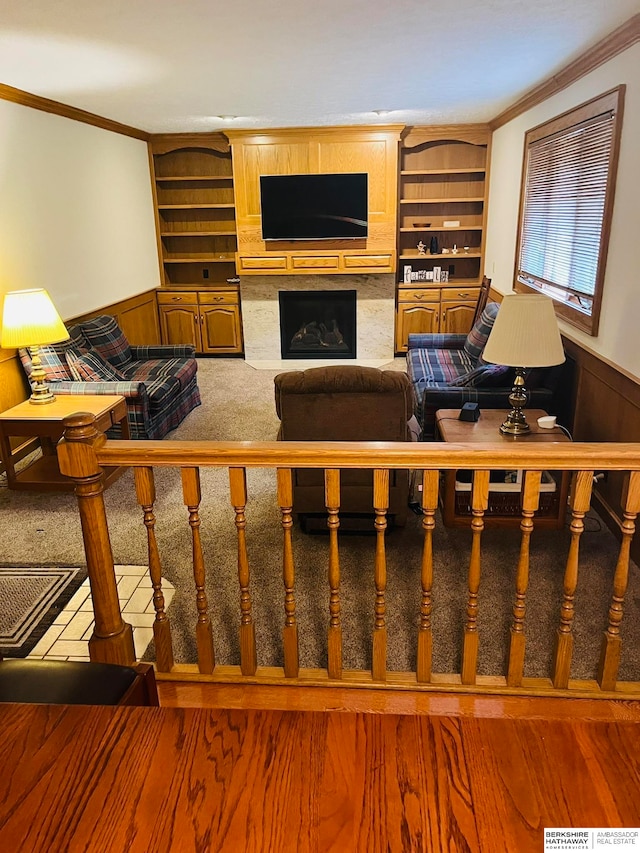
[(218, 298), (463, 295), (419, 295), (176, 298)]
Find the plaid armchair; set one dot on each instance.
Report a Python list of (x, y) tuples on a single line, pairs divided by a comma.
[(158, 382), (447, 371)]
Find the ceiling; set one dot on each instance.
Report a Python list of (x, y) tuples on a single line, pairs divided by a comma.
[(166, 66)]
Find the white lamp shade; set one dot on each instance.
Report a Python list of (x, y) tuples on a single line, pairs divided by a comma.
[(29, 319), (525, 333)]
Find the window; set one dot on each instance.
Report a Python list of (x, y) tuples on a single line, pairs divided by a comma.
[(565, 207)]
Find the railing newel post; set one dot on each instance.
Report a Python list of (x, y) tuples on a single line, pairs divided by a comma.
[(112, 638)]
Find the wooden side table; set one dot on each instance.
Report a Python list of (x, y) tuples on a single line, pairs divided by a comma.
[(45, 422), (504, 496)]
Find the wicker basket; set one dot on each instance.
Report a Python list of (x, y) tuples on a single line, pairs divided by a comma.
[(504, 497)]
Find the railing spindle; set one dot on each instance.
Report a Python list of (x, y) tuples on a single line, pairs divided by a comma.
[(332, 502), (146, 495), (238, 491), (204, 636), (580, 502), (530, 497), (479, 503), (290, 630), (425, 640), (380, 505), (612, 641)]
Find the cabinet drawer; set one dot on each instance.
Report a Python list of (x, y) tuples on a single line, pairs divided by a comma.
[(469, 294), (324, 262), (272, 263), (355, 261), (226, 297), (174, 298), (418, 295)]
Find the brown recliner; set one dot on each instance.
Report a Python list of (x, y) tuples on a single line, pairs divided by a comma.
[(345, 403)]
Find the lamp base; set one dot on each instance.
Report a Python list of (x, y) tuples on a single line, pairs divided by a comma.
[(40, 396), (516, 423), (40, 391)]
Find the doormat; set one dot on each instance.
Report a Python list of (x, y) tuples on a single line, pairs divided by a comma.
[(30, 599)]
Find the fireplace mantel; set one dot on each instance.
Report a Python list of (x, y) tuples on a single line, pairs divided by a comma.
[(370, 149)]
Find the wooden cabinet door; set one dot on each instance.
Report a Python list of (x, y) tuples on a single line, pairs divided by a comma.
[(414, 318), (457, 317), (179, 324), (221, 328)]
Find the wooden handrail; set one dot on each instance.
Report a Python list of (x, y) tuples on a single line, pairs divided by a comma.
[(563, 456)]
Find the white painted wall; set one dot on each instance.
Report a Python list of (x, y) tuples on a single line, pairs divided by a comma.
[(76, 211), (618, 337)]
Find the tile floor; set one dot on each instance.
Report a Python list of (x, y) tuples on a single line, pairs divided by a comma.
[(67, 638)]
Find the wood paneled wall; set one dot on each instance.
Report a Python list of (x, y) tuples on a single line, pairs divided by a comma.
[(607, 408), (137, 316), (604, 403)]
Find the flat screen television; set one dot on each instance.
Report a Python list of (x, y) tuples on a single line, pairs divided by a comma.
[(314, 207)]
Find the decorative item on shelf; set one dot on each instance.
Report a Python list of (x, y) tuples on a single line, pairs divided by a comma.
[(422, 249), (525, 334), (466, 250), (444, 251), (451, 223), (31, 320), (433, 245), (407, 274), (454, 251), (422, 225), (444, 275), (436, 273)]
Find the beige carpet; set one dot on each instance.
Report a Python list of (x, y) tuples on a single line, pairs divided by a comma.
[(238, 404)]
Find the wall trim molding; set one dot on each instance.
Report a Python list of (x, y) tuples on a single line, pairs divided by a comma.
[(616, 42), (36, 102)]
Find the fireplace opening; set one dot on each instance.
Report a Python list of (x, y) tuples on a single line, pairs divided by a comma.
[(318, 323)]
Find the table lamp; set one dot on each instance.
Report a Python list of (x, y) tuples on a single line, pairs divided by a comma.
[(525, 334), (30, 320)]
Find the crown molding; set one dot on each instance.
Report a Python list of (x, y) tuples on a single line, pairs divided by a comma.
[(18, 96), (613, 44)]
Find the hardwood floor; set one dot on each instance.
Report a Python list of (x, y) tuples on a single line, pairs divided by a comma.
[(405, 773)]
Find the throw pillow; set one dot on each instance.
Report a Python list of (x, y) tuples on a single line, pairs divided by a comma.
[(107, 338), (53, 362), (485, 376), (91, 367), (477, 337)]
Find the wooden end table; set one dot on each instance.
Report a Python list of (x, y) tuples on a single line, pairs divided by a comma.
[(504, 497), (44, 421)]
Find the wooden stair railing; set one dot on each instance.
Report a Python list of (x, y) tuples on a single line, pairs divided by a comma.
[(83, 452)]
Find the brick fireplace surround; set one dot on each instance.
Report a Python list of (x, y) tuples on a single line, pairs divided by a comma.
[(375, 315)]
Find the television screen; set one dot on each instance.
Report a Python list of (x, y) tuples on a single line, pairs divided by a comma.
[(314, 207)]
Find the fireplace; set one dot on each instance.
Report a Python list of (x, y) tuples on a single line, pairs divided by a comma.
[(375, 316), (318, 323)]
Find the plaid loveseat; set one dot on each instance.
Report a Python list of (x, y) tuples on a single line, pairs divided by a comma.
[(158, 382), (447, 370)]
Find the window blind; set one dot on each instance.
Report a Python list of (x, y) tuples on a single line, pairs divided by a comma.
[(563, 212)]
